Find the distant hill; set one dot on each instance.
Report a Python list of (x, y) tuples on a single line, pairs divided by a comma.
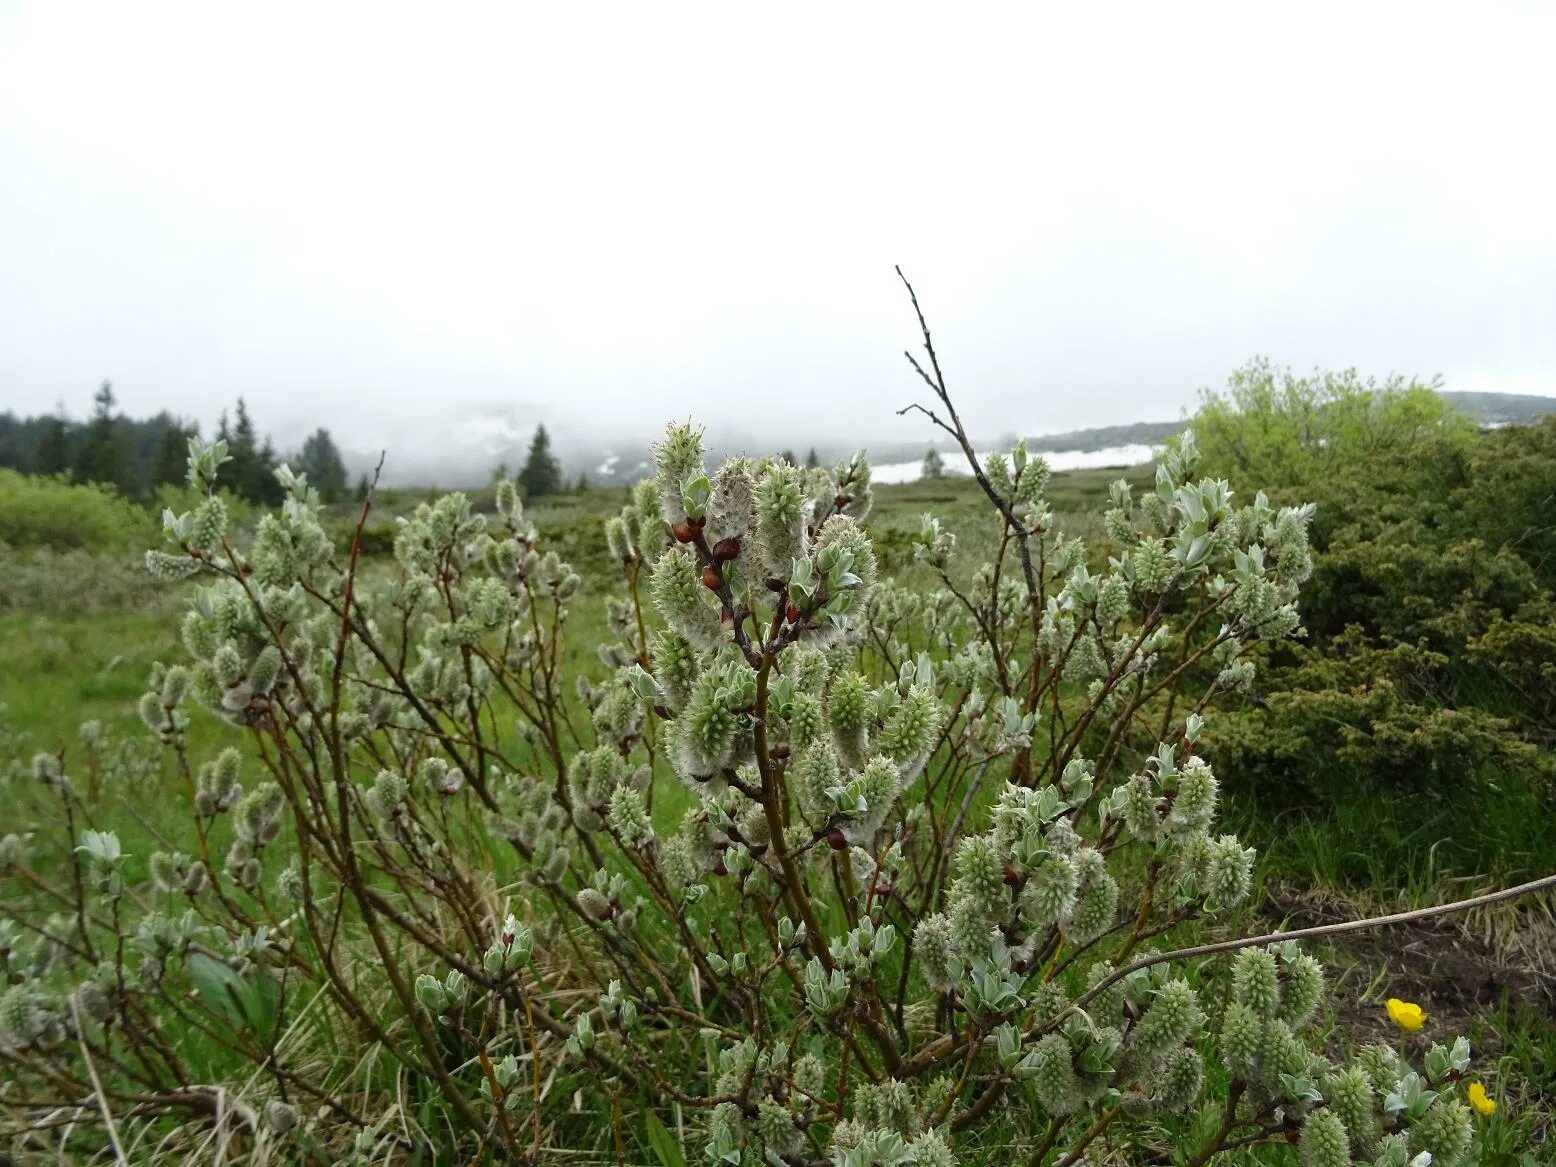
[(1501, 408), (1140, 433)]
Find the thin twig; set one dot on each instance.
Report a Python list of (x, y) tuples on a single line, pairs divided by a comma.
[(1228, 1122), (1074, 1154), (1508, 893), (97, 1086)]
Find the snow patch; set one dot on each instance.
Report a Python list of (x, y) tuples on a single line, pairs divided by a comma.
[(1120, 456)]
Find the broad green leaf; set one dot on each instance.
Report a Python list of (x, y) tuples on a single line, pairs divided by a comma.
[(663, 1144)]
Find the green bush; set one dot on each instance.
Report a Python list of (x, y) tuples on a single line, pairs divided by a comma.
[(1292, 433), (1429, 612), (49, 512), (1357, 716), (1507, 492)]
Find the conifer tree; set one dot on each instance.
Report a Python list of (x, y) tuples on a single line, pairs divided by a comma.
[(53, 456), (253, 463), (320, 460), (932, 466), (243, 435), (102, 457), (170, 464), (541, 474)]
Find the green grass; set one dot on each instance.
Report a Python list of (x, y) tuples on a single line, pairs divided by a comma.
[(62, 670), (1409, 848)]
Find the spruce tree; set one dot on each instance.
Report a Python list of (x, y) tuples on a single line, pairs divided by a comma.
[(53, 456), (243, 446), (320, 460), (541, 474), (171, 462), (102, 457), (271, 492), (243, 433), (253, 463), (933, 466)]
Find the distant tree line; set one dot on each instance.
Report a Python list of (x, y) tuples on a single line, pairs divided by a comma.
[(137, 456)]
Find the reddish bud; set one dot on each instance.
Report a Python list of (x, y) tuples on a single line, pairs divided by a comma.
[(773, 585), (683, 532), (726, 549), (780, 752), (720, 869), (711, 579), (837, 840), (793, 614), (1011, 878)]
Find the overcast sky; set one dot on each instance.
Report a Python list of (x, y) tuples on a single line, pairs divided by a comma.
[(602, 217)]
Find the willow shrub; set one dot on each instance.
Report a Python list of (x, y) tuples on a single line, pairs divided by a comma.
[(838, 869), (60, 515)]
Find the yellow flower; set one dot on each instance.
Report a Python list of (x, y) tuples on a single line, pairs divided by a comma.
[(1479, 1100), (1405, 1014)]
